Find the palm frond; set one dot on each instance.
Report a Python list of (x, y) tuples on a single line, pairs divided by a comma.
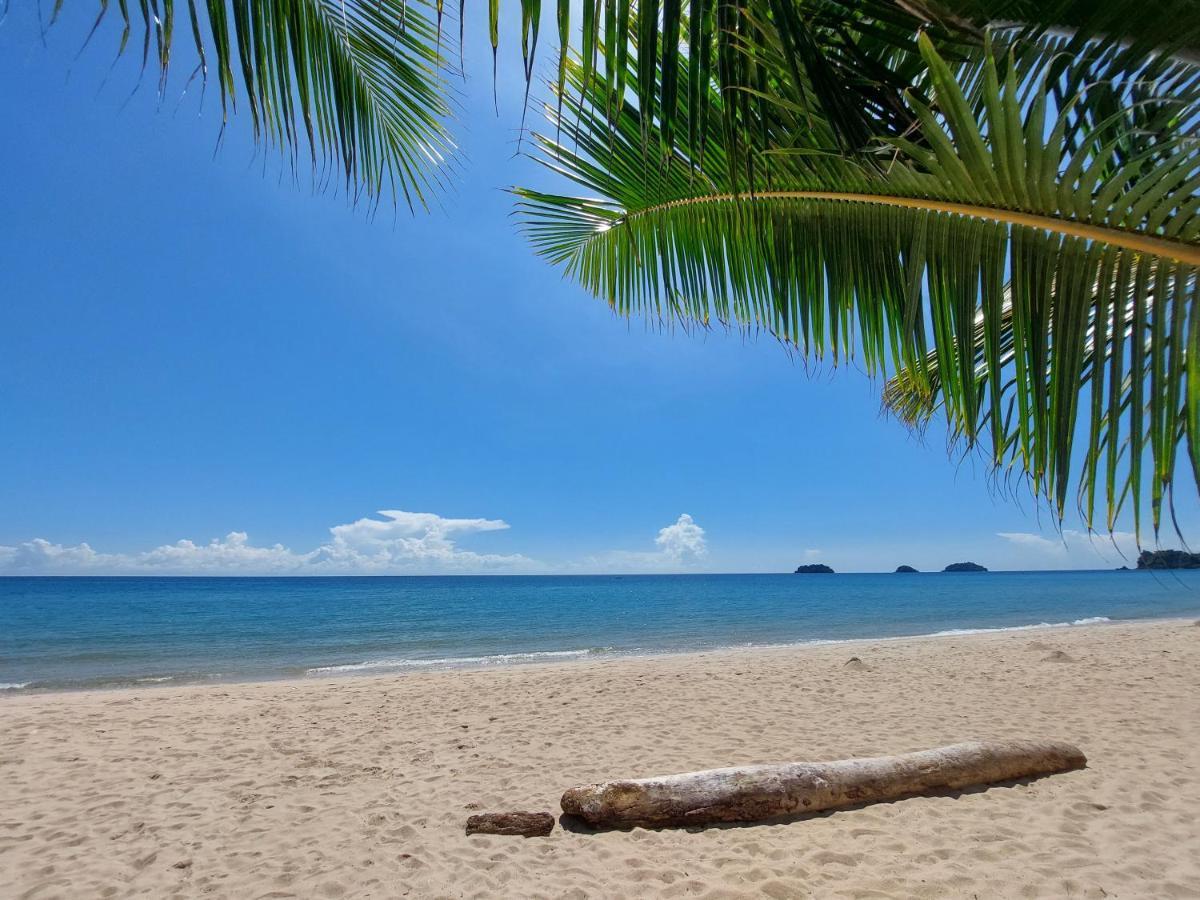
[(362, 79), (916, 400), (356, 81), (1004, 212), (857, 57)]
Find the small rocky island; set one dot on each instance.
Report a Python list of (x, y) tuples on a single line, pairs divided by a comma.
[(814, 569), (905, 570), (964, 567), (1168, 559)]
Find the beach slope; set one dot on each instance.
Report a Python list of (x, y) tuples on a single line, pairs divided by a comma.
[(360, 787)]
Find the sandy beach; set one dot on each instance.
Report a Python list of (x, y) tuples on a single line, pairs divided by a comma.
[(360, 787)]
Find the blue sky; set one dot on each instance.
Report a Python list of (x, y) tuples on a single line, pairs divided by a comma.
[(195, 350)]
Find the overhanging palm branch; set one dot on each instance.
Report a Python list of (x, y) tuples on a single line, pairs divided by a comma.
[(359, 82), (857, 56), (915, 401), (1006, 188)]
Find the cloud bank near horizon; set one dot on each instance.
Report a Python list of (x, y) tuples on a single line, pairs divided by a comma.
[(397, 543), (1075, 549), (682, 546)]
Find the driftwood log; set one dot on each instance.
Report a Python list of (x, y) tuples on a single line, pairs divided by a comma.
[(529, 824), (756, 793)]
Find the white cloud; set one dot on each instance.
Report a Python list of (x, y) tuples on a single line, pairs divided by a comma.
[(1074, 548), (681, 545), (682, 541), (813, 553), (393, 542), (234, 553), (407, 540), (399, 542), (1036, 541), (38, 554)]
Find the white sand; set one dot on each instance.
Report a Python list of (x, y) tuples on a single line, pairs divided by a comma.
[(360, 787)]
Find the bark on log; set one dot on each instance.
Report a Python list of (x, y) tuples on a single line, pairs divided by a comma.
[(756, 793), (529, 824)]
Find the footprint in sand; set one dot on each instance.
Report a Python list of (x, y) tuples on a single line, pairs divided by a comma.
[(856, 664)]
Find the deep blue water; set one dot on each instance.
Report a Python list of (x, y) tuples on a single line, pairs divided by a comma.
[(79, 632)]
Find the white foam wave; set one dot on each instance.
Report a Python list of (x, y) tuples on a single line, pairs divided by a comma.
[(951, 632), (499, 659), (503, 659), (1091, 620)]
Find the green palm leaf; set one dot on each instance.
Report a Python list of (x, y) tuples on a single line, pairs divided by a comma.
[(915, 400), (1008, 212), (356, 81), (360, 79)]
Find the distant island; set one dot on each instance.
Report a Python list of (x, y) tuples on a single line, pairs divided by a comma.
[(814, 569), (964, 567), (1168, 559), (905, 570)]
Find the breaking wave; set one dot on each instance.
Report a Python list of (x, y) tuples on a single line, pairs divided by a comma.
[(1090, 620), (451, 662)]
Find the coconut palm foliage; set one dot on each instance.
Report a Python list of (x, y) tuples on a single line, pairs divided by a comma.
[(1019, 238), (357, 84)]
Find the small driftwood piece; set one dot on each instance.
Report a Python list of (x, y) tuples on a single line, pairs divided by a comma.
[(757, 793), (529, 824)]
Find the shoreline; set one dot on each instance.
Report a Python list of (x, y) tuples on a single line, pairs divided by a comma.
[(557, 659), (66, 636), (361, 786)]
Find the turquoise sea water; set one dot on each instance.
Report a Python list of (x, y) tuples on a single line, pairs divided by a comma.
[(60, 633)]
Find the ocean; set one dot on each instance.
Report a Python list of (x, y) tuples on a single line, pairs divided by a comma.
[(69, 633)]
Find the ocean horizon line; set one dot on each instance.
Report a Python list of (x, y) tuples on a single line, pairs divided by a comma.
[(685, 574)]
